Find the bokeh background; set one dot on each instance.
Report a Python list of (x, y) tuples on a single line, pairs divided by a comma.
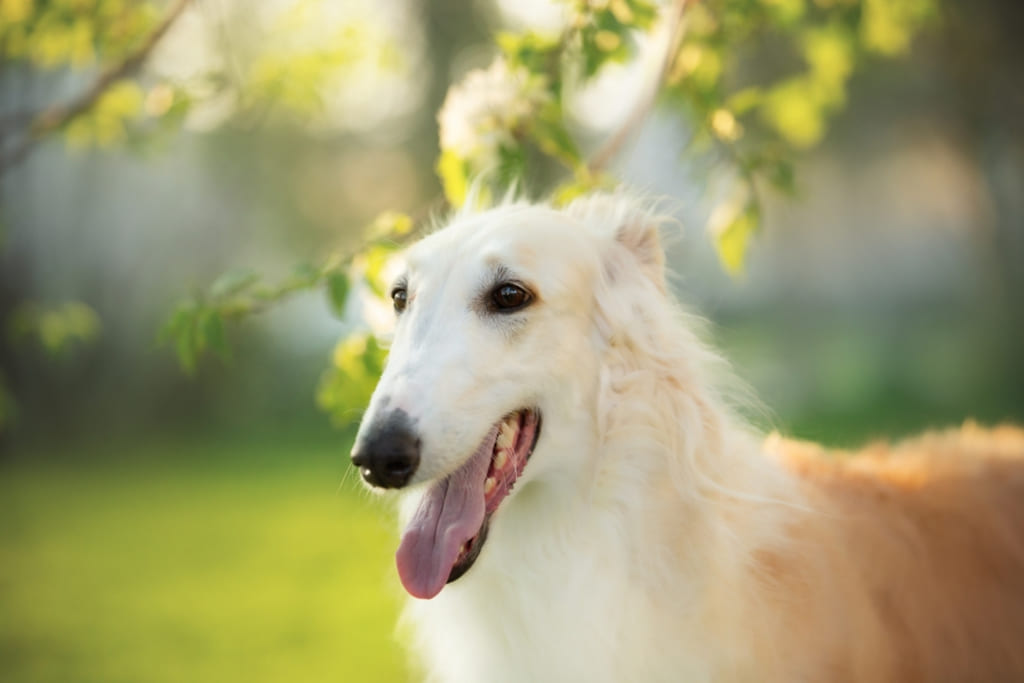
[(156, 526)]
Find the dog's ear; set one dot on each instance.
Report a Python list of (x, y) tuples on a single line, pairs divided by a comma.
[(639, 234), (625, 223)]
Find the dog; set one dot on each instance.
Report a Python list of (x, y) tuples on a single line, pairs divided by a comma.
[(581, 500)]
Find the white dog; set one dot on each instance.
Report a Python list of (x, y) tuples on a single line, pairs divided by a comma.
[(581, 503)]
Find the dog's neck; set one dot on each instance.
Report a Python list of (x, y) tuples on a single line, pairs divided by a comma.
[(668, 436)]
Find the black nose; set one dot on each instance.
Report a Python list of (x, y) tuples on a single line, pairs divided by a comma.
[(389, 453)]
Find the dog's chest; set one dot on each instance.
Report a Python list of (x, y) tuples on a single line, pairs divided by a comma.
[(549, 615)]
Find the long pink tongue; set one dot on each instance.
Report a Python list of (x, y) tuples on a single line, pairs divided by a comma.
[(451, 513)]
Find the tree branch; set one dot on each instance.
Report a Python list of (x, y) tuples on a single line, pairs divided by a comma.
[(57, 116), (677, 29)]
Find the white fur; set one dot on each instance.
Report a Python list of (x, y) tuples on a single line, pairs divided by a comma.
[(613, 558)]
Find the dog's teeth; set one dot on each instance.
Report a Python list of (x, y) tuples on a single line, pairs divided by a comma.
[(500, 459), (489, 485), (505, 436)]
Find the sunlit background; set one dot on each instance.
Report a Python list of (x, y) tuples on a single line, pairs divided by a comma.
[(156, 526)]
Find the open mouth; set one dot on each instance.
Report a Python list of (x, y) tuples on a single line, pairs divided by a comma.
[(449, 528)]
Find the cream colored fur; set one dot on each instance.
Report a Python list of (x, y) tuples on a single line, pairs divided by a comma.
[(653, 535)]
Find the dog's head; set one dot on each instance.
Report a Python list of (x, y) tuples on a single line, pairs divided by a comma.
[(500, 329)]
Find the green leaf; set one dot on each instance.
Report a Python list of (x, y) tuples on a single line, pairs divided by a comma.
[(782, 176), (212, 333), (733, 237), (532, 50), (584, 182), (375, 356), (374, 260), (121, 100), (643, 13), (511, 165), (551, 135), (744, 100), (887, 26), (346, 386), (390, 225), (795, 110), (338, 287), (785, 12), (454, 174), (603, 44), (305, 275), (180, 328), (829, 54), (185, 345), (56, 328)]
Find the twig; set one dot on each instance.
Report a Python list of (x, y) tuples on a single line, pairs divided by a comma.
[(677, 29), (59, 115)]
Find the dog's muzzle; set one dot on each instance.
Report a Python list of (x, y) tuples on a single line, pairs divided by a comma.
[(388, 453)]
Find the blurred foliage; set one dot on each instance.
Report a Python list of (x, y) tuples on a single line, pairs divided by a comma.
[(198, 323), (498, 121), (75, 33), (302, 59), (297, 64), (497, 126), (57, 329), (107, 122), (757, 118), (127, 105), (516, 106), (347, 384), (108, 37)]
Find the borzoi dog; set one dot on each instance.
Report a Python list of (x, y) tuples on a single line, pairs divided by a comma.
[(580, 502)]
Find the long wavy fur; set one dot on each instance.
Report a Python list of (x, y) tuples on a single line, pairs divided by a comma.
[(687, 547)]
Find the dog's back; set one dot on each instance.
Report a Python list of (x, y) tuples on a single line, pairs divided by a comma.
[(924, 544)]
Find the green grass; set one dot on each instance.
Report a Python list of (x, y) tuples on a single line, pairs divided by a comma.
[(200, 563)]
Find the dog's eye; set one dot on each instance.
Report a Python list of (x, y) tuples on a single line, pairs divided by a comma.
[(399, 297), (508, 297)]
